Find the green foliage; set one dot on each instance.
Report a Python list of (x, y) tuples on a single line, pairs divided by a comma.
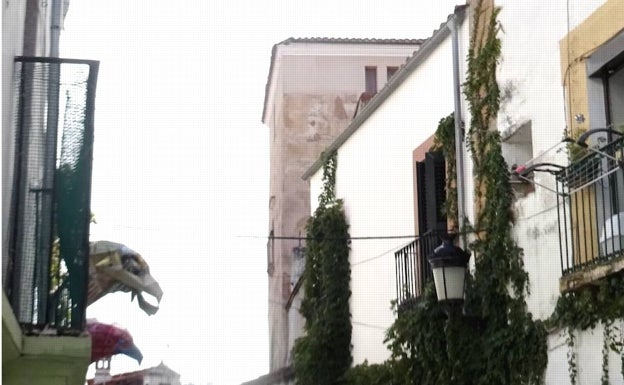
[(481, 88), (375, 374), (585, 308), (418, 343), (575, 152), (57, 275), (328, 195), (572, 367), (606, 338), (323, 354), (495, 340), (428, 347), (513, 345), (444, 140), (58, 270)]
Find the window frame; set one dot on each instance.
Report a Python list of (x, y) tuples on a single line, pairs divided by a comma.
[(391, 71), (370, 79), (607, 58)]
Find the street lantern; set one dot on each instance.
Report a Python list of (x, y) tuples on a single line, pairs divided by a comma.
[(449, 263)]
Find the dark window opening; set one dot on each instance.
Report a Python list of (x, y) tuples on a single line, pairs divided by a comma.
[(614, 92), (390, 71), (435, 192), (371, 80), (412, 268)]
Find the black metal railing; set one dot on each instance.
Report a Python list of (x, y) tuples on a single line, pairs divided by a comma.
[(413, 270), (46, 273), (591, 208)]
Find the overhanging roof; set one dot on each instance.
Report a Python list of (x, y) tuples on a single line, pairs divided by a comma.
[(326, 40)]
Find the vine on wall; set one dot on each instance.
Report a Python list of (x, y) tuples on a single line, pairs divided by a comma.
[(444, 140), (584, 309), (323, 354), (495, 341), (513, 343)]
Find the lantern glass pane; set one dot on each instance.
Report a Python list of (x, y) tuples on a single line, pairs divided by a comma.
[(454, 277)]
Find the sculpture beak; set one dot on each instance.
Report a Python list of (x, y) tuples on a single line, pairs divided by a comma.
[(117, 268), (131, 351), (152, 287)]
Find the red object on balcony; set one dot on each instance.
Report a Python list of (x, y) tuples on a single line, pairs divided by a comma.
[(108, 340)]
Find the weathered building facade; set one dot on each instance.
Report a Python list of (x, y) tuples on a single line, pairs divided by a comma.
[(560, 74), (374, 178), (315, 87)]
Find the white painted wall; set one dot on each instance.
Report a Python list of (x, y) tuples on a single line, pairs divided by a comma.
[(530, 69), (588, 349), (310, 83), (375, 180), (374, 176)]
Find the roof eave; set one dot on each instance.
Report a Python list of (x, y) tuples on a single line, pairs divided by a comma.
[(267, 89), (412, 63)]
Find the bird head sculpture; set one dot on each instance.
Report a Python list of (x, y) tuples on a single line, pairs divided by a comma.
[(115, 267), (108, 340)]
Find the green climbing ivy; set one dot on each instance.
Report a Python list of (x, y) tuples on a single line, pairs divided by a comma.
[(584, 309), (444, 140), (375, 374), (323, 354), (513, 344), (495, 340)]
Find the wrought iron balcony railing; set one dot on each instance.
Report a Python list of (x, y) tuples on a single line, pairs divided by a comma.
[(46, 272), (591, 208), (413, 270)]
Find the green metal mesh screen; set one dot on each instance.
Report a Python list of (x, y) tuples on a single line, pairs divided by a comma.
[(50, 213)]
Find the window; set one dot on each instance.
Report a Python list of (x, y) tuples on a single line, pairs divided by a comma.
[(517, 148), (370, 75), (430, 198), (605, 88), (390, 71), (614, 83), (431, 193), (610, 75), (591, 208), (591, 215), (411, 265)]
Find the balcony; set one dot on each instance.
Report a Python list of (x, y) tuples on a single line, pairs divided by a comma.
[(47, 267), (45, 271), (591, 216), (413, 271)]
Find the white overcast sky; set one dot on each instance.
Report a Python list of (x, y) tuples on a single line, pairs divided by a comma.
[(181, 162)]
